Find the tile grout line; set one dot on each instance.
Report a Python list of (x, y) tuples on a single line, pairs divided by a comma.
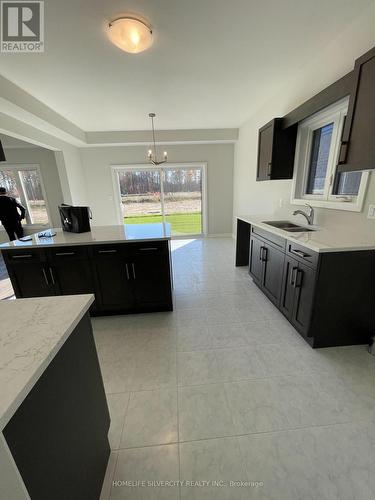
[(259, 433), (123, 424)]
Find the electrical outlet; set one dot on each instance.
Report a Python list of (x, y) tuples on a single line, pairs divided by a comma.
[(371, 212)]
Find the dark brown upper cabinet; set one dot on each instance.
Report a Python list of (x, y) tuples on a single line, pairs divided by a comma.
[(357, 150), (276, 148)]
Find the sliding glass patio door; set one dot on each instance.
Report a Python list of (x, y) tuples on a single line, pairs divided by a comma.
[(167, 194)]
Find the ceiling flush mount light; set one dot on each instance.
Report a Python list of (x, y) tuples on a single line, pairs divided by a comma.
[(130, 34), (152, 155)]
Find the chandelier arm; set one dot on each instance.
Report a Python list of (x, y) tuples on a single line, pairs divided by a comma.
[(153, 137), (152, 157)]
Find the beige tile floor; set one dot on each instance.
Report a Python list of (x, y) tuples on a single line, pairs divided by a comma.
[(224, 389)]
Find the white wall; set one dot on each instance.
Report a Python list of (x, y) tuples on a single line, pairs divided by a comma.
[(48, 168), (251, 197), (72, 177), (219, 157), (67, 156)]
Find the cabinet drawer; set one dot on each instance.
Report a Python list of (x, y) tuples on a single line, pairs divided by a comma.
[(278, 241), (302, 254), (24, 255), (146, 248), (107, 250), (131, 249), (66, 253)]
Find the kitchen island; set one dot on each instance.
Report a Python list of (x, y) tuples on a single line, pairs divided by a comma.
[(126, 267), (53, 412)]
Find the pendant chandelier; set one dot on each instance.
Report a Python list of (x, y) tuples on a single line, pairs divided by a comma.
[(152, 154)]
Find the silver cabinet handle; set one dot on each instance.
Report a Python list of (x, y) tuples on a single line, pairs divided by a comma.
[(64, 253), (52, 276), (269, 169), (149, 249), (45, 276), (107, 251), (133, 267), (299, 253), (28, 256), (260, 253), (299, 278), (292, 278), (264, 254), (127, 272)]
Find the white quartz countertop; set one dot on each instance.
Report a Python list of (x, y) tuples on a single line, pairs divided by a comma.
[(97, 235), (323, 239), (31, 333)]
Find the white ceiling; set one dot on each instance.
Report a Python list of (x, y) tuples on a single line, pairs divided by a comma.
[(212, 64)]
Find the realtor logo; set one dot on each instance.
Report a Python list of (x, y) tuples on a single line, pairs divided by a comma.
[(22, 26)]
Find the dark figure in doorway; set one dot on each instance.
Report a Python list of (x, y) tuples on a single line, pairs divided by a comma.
[(10, 217)]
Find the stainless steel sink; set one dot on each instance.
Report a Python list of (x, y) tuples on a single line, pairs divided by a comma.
[(288, 226)]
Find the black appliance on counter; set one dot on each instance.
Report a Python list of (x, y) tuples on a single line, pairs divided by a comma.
[(75, 219)]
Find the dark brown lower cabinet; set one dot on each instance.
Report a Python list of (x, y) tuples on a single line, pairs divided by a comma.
[(266, 268), (30, 279), (113, 280), (328, 297), (59, 434), (256, 262), (151, 280), (125, 278), (273, 261), (297, 294)]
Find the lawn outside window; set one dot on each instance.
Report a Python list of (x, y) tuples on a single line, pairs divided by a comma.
[(316, 180), (172, 193)]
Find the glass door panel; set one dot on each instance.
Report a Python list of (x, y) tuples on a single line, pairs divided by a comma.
[(36, 204), (140, 196), (182, 190), (11, 181)]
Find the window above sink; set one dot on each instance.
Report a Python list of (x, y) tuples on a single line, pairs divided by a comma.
[(316, 179)]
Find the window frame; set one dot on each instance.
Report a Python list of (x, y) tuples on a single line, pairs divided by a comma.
[(24, 201), (333, 114), (147, 166)]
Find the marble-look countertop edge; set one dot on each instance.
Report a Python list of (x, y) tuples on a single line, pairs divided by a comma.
[(22, 394), (293, 237), (99, 235), (33, 244)]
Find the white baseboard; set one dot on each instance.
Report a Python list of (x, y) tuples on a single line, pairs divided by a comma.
[(202, 236), (220, 235)]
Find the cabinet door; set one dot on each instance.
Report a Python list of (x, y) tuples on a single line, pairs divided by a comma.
[(287, 288), (151, 274), (115, 285), (71, 270), (31, 279), (273, 261), (304, 284), (255, 262), (276, 149), (358, 145), (265, 146)]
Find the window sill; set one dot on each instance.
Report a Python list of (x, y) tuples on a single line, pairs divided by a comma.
[(347, 206)]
